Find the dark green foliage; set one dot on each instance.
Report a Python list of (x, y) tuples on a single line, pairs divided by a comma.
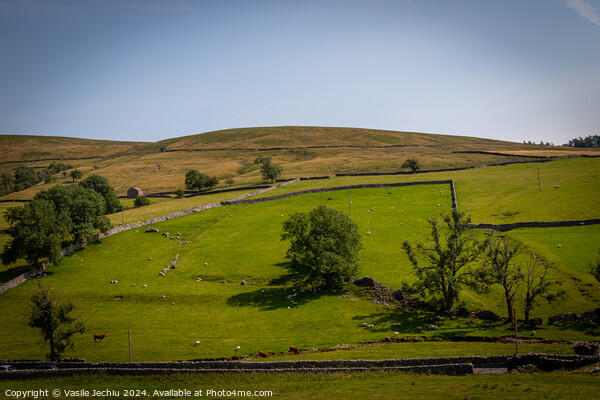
[(7, 183), (324, 247), (56, 320), (26, 176), (212, 182), (196, 180), (55, 167), (269, 170), (445, 255), (179, 192), (588, 141), (141, 201), (538, 285), (37, 231), (76, 174), (43, 174), (100, 185), (84, 207), (411, 163)]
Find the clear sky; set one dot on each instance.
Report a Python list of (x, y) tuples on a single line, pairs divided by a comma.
[(148, 70)]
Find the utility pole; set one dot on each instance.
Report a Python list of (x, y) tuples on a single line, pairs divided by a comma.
[(122, 215), (539, 186), (349, 209)]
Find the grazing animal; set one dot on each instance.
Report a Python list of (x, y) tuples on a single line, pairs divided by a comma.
[(98, 336), (262, 354), (295, 350)]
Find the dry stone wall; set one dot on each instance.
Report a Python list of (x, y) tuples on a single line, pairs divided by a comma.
[(550, 224)]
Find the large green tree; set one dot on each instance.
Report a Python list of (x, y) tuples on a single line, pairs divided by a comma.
[(84, 207), (26, 176), (196, 180), (37, 231), (100, 185), (440, 262), (324, 246), (56, 320)]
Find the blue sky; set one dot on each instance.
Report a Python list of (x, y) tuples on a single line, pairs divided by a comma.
[(148, 70)]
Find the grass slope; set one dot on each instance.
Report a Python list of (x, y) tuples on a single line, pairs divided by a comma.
[(236, 243)]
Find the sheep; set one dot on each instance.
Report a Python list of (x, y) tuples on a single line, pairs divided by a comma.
[(145, 286), (196, 343), (133, 284)]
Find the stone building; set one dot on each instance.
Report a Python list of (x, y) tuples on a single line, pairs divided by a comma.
[(134, 192)]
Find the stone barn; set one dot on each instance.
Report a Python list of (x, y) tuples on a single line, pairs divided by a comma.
[(134, 192)]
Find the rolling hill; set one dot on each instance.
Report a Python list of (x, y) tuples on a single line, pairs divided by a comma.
[(302, 151)]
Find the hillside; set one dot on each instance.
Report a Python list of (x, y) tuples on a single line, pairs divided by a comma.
[(302, 151)]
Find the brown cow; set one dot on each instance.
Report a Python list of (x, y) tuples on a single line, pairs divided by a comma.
[(262, 354), (98, 336), (295, 350)]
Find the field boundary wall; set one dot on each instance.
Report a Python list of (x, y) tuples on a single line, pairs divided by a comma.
[(549, 224), (113, 231)]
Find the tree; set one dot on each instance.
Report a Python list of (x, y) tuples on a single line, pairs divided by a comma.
[(37, 232), (324, 247), (499, 267), (7, 183), (84, 207), (26, 176), (269, 170), (445, 255), (411, 163), (196, 180), (76, 174), (100, 185), (56, 320), (141, 201), (212, 182), (229, 181), (179, 192), (538, 285)]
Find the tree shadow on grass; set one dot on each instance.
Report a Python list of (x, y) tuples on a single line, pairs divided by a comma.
[(414, 322), (269, 299)]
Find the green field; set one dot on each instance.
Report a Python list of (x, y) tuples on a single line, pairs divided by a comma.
[(243, 243), (379, 385)]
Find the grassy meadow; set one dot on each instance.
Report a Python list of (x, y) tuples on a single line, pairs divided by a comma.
[(242, 243), (203, 299), (369, 385)]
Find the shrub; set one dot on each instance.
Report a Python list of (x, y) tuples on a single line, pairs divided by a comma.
[(141, 201), (179, 192)]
